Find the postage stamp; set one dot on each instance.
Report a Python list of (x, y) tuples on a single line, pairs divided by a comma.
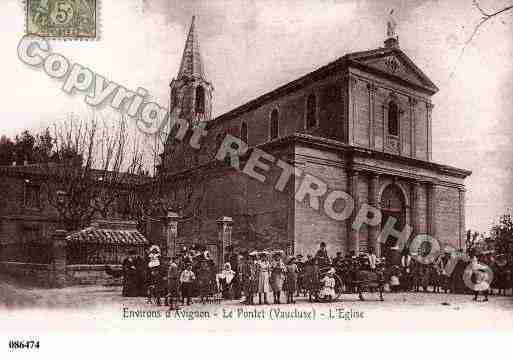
[(64, 19)]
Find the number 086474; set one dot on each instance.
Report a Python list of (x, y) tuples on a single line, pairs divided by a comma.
[(23, 344)]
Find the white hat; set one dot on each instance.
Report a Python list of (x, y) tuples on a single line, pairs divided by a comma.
[(155, 248)]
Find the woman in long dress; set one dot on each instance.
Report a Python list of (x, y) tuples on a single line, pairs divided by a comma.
[(263, 270), (291, 280), (278, 270), (225, 281), (130, 276), (327, 292), (204, 275)]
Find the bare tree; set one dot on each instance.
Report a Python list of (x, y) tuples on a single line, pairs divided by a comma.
[(485, 17), (159, 197), (95, 165)]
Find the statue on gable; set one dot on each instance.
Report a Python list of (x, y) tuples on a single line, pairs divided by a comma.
[(391, 25)]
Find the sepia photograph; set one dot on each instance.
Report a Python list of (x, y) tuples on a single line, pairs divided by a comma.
[(245, 166)]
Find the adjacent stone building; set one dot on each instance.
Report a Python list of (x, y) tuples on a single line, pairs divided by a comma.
[(362, 124)]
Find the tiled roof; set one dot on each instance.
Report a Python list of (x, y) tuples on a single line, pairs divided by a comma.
[(95, 235)]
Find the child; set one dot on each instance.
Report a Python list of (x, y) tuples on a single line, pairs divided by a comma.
[(154, 285), (263, 269), (172, 283), (248, 278), (481, 279), (327, 292), (278, 270), (187, 279), (291, 280), (394, 279), (154, 257), (311, 277)]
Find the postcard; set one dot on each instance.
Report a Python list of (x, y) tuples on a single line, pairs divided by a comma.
[(255, 166)]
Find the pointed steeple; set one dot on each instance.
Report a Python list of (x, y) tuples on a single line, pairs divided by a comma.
[(191, 65), (191, 93)]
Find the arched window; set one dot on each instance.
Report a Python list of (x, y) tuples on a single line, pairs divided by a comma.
[(244, 132), (200, 99), (311, 111), (393, 119), (274, 124)]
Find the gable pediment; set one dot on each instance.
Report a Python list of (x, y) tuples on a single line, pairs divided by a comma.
[(395, 63)]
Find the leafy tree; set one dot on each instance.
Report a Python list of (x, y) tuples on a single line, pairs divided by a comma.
[(6, 151), (24, 146), (502, 234)]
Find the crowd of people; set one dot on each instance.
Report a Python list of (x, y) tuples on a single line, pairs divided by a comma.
[(256, 275)]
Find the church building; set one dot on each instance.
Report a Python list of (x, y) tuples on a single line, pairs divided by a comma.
[(362, 124)]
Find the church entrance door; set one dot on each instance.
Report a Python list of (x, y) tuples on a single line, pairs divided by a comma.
[(393, 205)]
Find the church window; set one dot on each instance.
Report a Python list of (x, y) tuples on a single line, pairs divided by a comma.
[(200, 99), (244, 132), (311, 111), (274, 125), (393, 119)]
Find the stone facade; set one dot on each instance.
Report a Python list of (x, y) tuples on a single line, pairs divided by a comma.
[(361, 124), (26, 214)]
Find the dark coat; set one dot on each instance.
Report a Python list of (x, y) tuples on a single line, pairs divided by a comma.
[(129, 278)]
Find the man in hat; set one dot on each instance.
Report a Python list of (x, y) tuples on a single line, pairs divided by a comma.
[(205, 274), (130, 275), (187, 278), (248, 274), (322, 257), (141, 265), (233, 259), (406, 263), (338, 260), (444, 279), (173, 279), (185, 259), (300, 271), (311, 277), (394, 256), (291, 279)]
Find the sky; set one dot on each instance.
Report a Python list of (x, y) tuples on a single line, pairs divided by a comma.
[(252, 46)]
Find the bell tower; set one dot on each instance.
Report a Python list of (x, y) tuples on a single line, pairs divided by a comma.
[(191, 93)]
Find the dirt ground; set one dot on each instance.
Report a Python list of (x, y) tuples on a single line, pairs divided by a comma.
[(102, 307)]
